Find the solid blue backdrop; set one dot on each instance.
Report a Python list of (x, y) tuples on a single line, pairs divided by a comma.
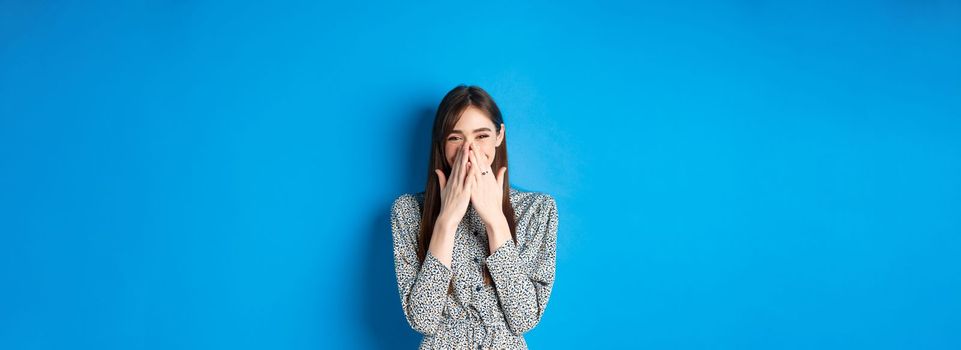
[(729, 175)]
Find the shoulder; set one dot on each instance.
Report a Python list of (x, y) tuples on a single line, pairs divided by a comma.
[(407, 204), (408, 199), (533, 202), (535, 213)]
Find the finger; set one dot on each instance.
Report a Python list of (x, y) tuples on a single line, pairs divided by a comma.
[(483, 164), (441, 178), (500, 176), (481, 158), (472, 155), (469, 169), (456, 166), (471, 184), (461, 176), (473, 173)]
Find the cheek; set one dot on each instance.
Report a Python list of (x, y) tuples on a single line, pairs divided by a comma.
[(486, 146), (490, 152)]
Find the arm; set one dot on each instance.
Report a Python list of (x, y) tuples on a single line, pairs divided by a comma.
[(523, 277), (422, 287)]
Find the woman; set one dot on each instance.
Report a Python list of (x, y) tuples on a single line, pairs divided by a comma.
[(474, 256)]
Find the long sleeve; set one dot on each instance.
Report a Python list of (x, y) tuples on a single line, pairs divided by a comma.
[(422, 287), (523, 277)]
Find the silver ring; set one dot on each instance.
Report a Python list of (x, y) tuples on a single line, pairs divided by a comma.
[(484, 172)]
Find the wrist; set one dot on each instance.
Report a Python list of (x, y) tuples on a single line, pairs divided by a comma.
[(445, 223), (500, 221), (498, 233)]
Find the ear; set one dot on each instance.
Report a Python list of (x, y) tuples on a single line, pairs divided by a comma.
[(500, 136)]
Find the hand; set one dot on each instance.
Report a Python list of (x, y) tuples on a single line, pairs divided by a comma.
[(488, 194), (455, 194)]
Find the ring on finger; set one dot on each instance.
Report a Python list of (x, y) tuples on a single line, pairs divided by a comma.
[(475, 155)]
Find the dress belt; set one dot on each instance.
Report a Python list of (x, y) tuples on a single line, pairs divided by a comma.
[(478, 336)]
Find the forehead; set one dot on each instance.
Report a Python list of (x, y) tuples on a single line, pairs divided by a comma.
[(473, 118)]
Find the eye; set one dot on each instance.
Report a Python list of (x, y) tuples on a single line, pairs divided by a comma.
[(453, 138), (484, 136)]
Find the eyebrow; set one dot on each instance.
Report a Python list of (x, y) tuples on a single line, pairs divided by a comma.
[(475, 131)]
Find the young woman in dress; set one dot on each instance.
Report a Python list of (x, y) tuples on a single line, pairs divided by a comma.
[(474, 256)]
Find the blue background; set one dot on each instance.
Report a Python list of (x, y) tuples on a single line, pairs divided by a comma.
[(729, 175)]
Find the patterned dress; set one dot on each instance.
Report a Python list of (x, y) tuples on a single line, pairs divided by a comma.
[(476, 315)]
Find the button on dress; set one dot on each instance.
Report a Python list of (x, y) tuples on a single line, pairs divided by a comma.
[(476, 315)]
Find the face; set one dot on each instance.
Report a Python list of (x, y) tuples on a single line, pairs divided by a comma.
[(476, 129)]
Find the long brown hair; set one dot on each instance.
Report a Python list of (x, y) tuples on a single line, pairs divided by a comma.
[(449, 112)]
